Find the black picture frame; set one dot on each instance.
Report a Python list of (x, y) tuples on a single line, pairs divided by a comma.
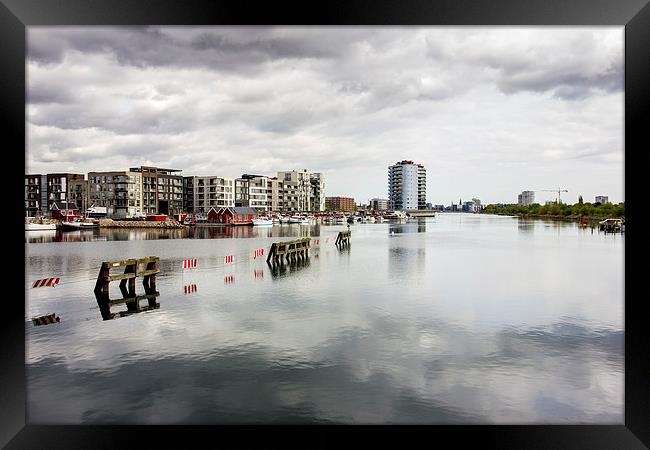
[(16, 15)]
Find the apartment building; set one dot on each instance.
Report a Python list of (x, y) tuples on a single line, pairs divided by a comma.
[(407, 185), (41, 190), (120, 192), (275, 194), (602, 199), (303, 191), (526, 198), (317, 196), (252, 191), (204, 192), (379, 204), (162, 190), (340, 204)]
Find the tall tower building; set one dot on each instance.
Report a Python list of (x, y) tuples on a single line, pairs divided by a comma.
[(407, 186)]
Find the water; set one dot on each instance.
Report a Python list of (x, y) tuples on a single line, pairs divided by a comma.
[(455, 319)]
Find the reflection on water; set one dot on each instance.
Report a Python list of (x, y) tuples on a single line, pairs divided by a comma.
[(412, 226), (457, 319), (196, 232)]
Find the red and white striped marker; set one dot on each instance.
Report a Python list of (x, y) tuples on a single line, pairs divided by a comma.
[(315, 241), (259, 274), (46, 319), (229, 279), (228, 259), (189, 289), (47, 282), (258, 252), (189, 263)]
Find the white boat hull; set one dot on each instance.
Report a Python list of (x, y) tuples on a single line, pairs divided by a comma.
[(39, 226)]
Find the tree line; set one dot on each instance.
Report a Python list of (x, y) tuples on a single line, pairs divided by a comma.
[(605, 210)]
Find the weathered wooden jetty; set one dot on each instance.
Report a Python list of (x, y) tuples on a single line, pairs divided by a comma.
[(343, 238), (132, 270), (290, 250)]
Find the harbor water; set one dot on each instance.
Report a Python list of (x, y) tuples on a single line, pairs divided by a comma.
[(458, 318)]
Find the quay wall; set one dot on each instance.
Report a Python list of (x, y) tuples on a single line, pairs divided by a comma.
[(167, 224)]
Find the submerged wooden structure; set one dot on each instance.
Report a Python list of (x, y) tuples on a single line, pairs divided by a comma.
[(343, 238), (147, 268), (290, 250), (132, 270)]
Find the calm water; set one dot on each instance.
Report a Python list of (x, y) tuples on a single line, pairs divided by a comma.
[(454, 319)]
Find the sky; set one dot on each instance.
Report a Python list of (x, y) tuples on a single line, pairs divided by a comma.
[(489, 111)]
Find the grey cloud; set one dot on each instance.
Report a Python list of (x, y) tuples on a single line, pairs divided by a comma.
[(49, 93)]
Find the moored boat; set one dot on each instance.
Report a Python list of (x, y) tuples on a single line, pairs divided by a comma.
[(36, 226), (263, 221)]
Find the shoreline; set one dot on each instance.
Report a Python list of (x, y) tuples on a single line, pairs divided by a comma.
[(572, 218), (168, 224)]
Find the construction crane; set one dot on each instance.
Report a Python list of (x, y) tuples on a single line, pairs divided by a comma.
[(558, 193)]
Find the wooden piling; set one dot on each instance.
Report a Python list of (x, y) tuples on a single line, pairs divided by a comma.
[(131, 272), (290, 251), (343, 238)]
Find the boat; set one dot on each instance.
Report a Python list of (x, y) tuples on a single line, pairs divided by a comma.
[(78, 224), (396, 215), (33, 226), (263, 221), (299, 219)]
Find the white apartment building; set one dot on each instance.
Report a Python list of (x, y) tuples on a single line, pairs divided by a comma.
[(407, 186), (602, 199), (205, 192), (379, 204), (303, 191), (251, 191), (526, 198)]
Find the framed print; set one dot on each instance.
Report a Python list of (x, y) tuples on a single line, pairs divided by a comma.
[(411, 216)]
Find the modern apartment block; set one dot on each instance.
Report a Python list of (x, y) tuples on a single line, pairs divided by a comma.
[(204, 192), (340, 204), (275, 194), (407, 184), (602, 199), (526, 198), (303, 191), (252, 191), (380, 204), (120, 192), (41, 191), (317, 197), (162, 190)]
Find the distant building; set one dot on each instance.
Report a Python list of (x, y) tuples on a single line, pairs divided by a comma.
[(275, 194), (201, 193), (303, 191), (162, 190), (251, 191), (120, 192), (407, 184), (41, 191), (379, 204), (602, 199), (340, 203), (439, 207), (526, 198), (550, 202)]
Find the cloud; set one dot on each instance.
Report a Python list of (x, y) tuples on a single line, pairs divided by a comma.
[(340, 100)]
